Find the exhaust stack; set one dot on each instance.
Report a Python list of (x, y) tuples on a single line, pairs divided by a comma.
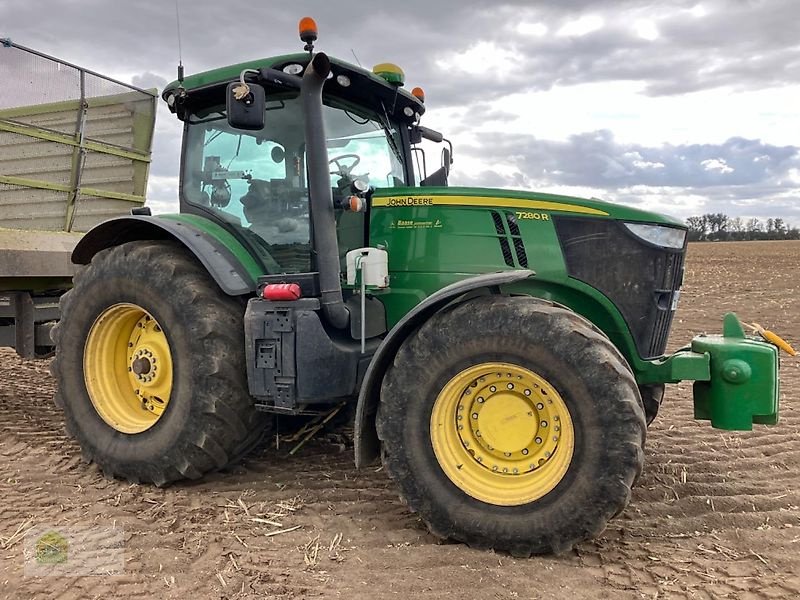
[(322, 217)]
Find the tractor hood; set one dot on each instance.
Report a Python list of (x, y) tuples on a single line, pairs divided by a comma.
[(535, 202)]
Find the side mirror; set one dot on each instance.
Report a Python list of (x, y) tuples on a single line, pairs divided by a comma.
[(446, 160), (247, 112)]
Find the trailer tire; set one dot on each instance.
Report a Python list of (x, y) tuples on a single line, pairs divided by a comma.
[(201, 416), (528, 353)]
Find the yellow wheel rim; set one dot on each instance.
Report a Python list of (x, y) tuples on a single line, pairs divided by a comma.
[(502, 434), (127, 367)]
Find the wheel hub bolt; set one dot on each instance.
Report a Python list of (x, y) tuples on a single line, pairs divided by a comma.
[(540, 406), (538, 440), (525, 451), (492, 389)]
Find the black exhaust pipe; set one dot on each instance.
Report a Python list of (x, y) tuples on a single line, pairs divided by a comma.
[(323, 220)]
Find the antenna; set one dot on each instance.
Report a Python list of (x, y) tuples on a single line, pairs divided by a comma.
[(354, 56), (180, 49)]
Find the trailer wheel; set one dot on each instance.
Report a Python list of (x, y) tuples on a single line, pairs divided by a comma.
[(513, 424), (150, 366)]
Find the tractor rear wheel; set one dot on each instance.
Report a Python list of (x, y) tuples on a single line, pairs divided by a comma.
[(150, 366), (513, 424)]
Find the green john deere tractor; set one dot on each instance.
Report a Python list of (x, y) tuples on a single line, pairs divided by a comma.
[(505, 350)]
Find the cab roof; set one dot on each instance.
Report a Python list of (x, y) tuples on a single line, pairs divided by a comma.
[(365, 86)]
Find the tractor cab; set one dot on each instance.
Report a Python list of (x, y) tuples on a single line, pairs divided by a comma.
[(254, 181)]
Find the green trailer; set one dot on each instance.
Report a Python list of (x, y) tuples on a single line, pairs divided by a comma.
[(504, 351), (74, 152)]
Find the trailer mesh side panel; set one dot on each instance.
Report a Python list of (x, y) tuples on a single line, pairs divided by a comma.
[(69, 134)]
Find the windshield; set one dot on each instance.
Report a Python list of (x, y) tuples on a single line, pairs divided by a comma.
[(256, 180)]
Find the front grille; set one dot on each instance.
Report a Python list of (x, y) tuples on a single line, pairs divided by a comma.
[(639, 278), (673, 274)]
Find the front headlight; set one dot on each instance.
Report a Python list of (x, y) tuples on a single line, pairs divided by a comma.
[(659, 235)]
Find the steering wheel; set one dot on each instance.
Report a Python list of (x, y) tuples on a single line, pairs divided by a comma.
[(344, 170)]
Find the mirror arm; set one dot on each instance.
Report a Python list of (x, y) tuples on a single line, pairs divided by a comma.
[(417, 132), (430, 134)]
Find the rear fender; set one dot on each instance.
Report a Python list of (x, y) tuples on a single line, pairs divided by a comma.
[(231, 274), (367, 445)]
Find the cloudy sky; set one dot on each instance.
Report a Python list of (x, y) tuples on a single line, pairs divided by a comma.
[(682, 106)]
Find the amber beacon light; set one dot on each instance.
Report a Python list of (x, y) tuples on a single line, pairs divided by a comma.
[(308, 32)]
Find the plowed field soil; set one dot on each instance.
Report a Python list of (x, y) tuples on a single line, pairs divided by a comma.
[(715, 514)]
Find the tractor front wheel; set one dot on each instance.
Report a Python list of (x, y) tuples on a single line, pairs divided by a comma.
[(150, 366), (513, 424), (652, 397)]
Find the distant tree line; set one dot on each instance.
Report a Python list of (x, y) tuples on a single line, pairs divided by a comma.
[(718, 227)]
